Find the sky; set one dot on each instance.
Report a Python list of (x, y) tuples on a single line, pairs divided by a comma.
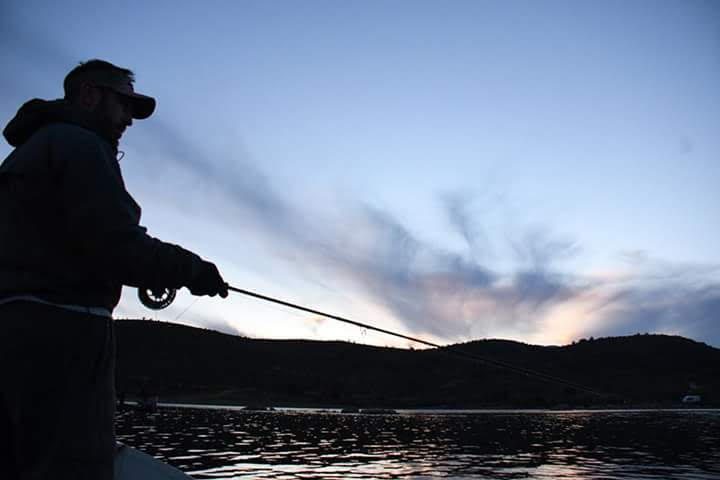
[(541, 171)]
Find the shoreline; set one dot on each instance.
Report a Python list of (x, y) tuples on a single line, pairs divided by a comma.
[(441, 411)]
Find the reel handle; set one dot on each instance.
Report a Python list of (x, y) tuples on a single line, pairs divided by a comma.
[(156, 298)]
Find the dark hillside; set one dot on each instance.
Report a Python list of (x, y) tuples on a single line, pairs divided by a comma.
[(189, 364), (641, 368)]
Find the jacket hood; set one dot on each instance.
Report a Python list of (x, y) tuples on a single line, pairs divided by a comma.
[(37, 113)]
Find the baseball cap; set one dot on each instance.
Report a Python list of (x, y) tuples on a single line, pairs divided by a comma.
[(142, 105), (101, 73)]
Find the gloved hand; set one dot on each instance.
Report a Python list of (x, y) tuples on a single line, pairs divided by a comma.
[(207, 281)]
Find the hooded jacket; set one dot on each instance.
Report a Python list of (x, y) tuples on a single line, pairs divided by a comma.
[(69, 231)]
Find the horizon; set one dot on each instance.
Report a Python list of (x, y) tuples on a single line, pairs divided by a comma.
[(414, 347), (451, 172)]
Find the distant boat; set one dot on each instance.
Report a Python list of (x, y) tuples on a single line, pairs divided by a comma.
[(690, 399)]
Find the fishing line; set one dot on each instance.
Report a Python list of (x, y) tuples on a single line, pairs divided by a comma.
[(162, 298), (186, 309), (443, 348)]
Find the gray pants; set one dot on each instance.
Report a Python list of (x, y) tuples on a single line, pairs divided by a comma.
[(57, 393)]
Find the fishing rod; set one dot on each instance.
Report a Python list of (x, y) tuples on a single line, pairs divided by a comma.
[(157, 299)]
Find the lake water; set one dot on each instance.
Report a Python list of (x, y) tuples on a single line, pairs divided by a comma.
[(297, 444)]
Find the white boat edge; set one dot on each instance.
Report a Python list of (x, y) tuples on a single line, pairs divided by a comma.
[(131, 464)]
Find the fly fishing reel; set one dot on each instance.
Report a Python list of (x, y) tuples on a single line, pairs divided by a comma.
[(156, 298)]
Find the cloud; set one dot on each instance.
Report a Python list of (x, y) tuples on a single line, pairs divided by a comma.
[(450, 295), (446, 294), (422, 286), (457, 210), (538, 249), (667, 298), (233, 177)]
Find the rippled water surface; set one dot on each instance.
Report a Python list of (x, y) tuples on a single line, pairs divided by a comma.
[(211, 443)]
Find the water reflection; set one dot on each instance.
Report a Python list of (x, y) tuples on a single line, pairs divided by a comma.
[(538, 445)]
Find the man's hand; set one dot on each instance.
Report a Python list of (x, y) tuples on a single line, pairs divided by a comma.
[(208, 281)]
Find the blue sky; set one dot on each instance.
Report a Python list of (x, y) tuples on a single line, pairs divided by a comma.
[(541, 171)]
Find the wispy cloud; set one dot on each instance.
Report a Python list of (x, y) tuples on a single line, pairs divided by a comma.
[(662, 296), (233, 177), (451, 295), (424, 287)]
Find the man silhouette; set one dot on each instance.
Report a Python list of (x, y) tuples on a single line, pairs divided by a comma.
[(69, 240)]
